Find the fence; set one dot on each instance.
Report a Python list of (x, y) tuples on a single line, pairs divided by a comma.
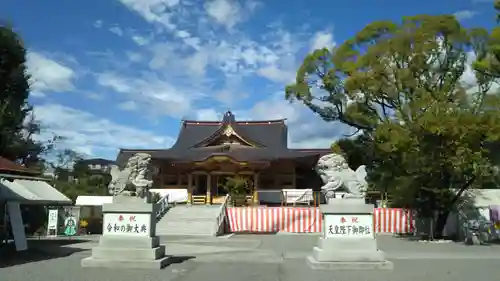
[(307, 220), (393, 220), (274, 219)]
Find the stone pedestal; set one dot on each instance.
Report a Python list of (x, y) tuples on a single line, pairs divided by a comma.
[(348, 241), (128, 239)]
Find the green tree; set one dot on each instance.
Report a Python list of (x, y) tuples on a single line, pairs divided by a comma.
[(401, 85), (17, 123), (63, 164), (73, 177), (357, 151), (488, 62)]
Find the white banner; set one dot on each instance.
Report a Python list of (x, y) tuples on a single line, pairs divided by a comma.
[(52, 222)]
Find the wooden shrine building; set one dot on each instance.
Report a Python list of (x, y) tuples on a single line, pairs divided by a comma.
[(207, 152)]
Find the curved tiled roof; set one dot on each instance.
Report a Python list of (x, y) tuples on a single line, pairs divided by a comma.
[(272, 133), (228, 120), (236, 152), (270, 137)]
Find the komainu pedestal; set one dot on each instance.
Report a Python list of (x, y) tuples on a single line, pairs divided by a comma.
[(348, 241), (128, 239)]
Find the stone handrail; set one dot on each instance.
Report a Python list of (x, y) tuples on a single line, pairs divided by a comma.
[(163, 207), (222, 213)]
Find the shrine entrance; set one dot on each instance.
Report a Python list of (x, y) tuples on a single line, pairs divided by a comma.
[(211, 187), (210, 176)]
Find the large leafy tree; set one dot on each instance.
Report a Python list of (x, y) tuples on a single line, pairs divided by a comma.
[(17, 123), (488, 62), (401, 85)]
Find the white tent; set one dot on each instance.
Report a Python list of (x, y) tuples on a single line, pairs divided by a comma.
[(15, 191)]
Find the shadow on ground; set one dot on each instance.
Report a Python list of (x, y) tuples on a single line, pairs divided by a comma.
[(179, 259), (38, 250)]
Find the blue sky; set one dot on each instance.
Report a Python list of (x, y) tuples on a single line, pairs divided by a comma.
[(122, 74)]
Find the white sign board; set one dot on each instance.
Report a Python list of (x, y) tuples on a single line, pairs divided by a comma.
[(126, 224), (52, 222), (348, 226)]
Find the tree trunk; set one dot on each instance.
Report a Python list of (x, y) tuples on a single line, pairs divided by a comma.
[(441, 223), (443, 216)]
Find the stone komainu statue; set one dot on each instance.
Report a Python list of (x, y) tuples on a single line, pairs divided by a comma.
[(335, 174), (137, 172)]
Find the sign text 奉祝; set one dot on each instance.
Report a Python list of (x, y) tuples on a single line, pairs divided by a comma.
[(348, 226), (126, 224)]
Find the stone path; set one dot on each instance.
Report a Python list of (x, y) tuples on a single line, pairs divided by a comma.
[(263, 257)]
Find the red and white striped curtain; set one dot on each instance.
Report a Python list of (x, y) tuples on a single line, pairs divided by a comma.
[(307, 220)]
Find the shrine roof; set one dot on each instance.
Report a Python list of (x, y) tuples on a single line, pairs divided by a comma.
[(236, 152), (270, 133), (267, 141)]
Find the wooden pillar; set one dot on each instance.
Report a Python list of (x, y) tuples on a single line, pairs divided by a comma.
[(190, 188), (209, 189), (277, 181), (178, 180), (162, 177), (255, 188)]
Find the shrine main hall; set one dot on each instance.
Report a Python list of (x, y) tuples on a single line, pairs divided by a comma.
[(206, 153)]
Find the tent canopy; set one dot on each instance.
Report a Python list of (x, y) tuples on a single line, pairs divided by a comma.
[(87, 200), (26, 191)]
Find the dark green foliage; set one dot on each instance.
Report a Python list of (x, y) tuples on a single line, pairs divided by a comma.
[(17, 124)]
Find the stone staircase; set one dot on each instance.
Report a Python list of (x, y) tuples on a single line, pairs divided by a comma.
[(189, 220)]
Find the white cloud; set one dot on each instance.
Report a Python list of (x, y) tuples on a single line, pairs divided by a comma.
[(322, 39), (89, 134), (469, 77), (282, 68), (134, 56), (150, 92), (183, 34), (98, 24), (162, 53), (36, 94), (94, 96), (140, 40), (225, 12), (274, 73), (208, 114), (305, 129), (49, 75), (191, 63), (116, 30), (233, 53), (198, 62), (128, 106), (154, 11), (465, 14)]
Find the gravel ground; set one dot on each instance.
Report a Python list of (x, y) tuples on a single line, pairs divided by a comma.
[(253, 257)]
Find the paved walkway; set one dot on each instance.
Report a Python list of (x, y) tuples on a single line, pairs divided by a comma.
[(261, 257)]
